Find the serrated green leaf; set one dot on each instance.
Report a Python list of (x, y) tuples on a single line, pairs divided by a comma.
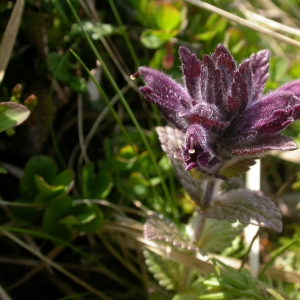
[(248, 207), (217, 235), (61, 68), (12, 114), (159, 228), (169, 274)]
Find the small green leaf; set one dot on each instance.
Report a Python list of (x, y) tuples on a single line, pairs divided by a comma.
[(127, 153), (12, 114), (90, 217), (65, 178), (154, 39), (42, 166), (205, 36), (171, 275), (46, 192), (82, 218), (95, 186), (61, 67), (138, 179), (237, 168), (163, 16), (217, 235), (55, 212)]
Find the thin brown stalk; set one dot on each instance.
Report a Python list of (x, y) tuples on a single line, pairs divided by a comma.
[(56, 266)]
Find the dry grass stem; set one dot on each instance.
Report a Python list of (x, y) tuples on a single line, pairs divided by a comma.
[(235, 19), (9, 36)]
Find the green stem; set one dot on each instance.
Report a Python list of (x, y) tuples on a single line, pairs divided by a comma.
[(127, 40), (209, 194)]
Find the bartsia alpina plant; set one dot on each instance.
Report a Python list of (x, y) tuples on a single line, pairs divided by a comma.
[(219, 123), (221, 109)]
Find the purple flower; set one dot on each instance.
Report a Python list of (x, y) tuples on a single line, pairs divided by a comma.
[(221, 110)]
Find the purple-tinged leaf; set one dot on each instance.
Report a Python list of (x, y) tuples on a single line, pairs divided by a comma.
[(159, 228), (191, 68), (170, 139), (260, 67), (248, 207)]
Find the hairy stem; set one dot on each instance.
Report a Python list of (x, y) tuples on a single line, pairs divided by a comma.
[(198, 228), (208, 197)]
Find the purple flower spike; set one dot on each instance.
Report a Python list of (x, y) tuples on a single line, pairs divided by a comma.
[(221, 110)]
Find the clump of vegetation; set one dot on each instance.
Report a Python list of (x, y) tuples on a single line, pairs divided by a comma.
[(107, 196)]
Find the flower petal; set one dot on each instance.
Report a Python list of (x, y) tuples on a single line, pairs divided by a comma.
[(208, 80), (241, 89), (226, 65), (260, 66), (197, 150), (166, 93), (169, 113), (264, 143), (270, 114), (293, 86), (191, 68)]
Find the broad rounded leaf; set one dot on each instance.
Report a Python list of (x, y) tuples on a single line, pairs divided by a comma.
[(90, 217), (94, 185), (163, 15), (42, 166), (12, 114), (56, 211), (46, 192), (246, 206)]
